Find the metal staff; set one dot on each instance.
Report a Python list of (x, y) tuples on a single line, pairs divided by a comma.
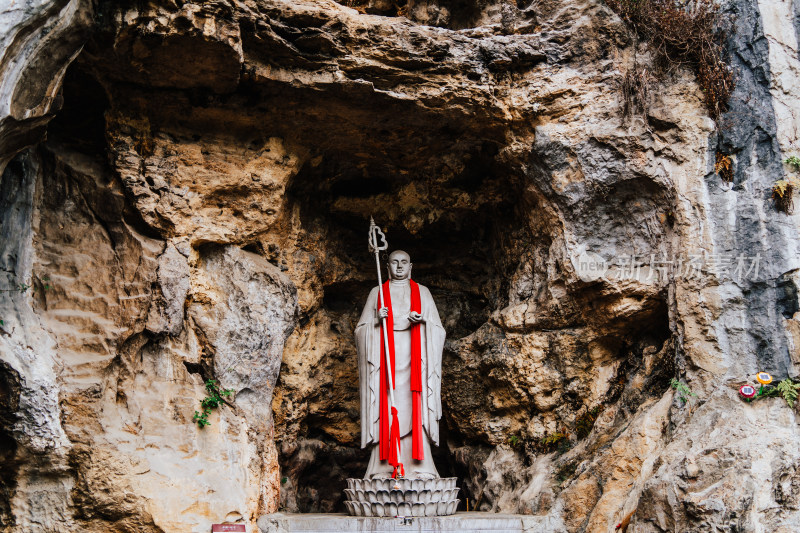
[(374, 246)]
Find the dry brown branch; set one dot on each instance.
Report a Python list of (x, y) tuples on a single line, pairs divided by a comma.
[(724, 167), (636, 92), (685, 33)]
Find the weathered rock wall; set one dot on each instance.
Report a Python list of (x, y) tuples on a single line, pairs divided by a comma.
[(198, 211), (132, 327)]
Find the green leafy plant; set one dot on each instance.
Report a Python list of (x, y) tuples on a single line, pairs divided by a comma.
[(214, 398), (553, 438), (514, 441), (558, 441), (25, 285), (794, 162), (683, 390), (18, 287), (786, 389)]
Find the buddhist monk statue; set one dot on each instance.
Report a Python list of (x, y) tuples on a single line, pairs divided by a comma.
[(415, 340)]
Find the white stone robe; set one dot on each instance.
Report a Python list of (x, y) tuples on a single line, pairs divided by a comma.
[(368, 339)]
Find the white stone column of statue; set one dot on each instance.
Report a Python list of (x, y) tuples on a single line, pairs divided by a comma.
[(368, 340)]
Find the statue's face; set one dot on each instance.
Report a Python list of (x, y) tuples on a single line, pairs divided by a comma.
[(399, 265)]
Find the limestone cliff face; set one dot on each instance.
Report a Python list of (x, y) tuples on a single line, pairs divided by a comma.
[(185, 194)]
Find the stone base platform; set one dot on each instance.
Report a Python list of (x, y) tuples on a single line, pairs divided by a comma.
[(340, 523), (387, 497)]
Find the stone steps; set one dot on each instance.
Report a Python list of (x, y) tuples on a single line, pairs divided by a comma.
[(340, 523)]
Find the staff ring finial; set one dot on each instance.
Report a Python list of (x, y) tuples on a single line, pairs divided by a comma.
[(377, 239)]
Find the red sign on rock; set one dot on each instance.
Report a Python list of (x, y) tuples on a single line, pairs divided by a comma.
[(219, 528)]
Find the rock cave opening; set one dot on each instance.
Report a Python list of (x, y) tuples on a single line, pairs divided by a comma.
[(456, 222), (81, 120), (455, 227), (468, 233)]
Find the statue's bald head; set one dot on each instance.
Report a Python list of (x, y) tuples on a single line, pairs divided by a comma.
[(399, 265), (400, 252)]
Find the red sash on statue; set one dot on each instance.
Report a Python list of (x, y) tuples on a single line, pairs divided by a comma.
[(389, 437)]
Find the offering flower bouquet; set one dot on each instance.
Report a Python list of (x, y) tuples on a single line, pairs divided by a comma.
[(787, 389)]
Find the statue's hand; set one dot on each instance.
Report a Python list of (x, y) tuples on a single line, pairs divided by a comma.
[(383, 312), (415, 318)]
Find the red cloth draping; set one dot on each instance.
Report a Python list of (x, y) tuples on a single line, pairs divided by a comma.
[(389, 433)]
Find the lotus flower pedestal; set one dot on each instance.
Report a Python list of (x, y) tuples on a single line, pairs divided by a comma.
[(387, 497)]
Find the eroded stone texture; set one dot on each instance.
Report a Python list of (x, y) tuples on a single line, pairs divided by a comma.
[(38, 41), (245, 308), (199, 211)]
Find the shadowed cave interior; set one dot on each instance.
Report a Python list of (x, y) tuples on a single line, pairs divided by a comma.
[(462, 256)]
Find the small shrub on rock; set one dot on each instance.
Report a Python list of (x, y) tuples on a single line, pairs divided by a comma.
[(685, 33)]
